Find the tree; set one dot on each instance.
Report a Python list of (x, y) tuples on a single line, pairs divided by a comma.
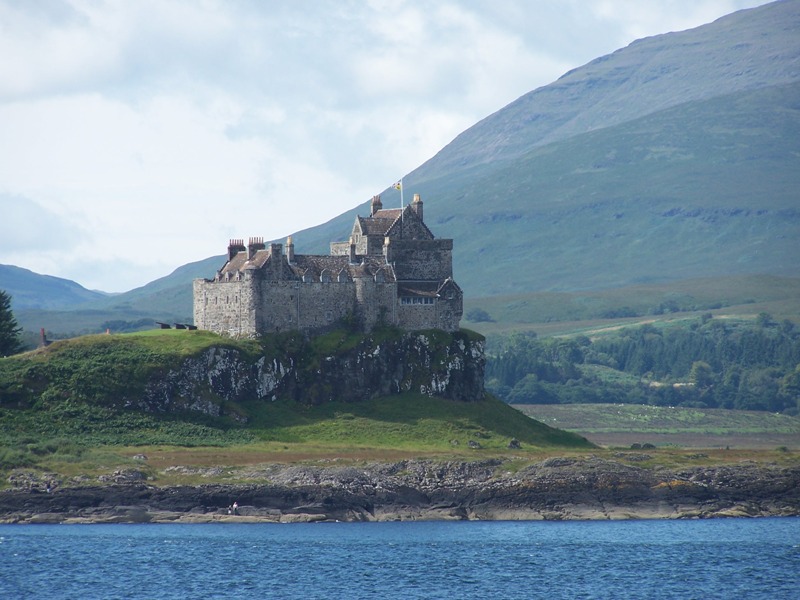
[(701, 375), (10, 341)]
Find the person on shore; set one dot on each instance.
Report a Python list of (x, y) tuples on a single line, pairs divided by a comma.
[(236, 508)]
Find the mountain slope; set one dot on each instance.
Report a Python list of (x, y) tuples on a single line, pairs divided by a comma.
[(746, 50), (676, 157), (32, 290)]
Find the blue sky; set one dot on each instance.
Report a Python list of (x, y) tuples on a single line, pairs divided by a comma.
[(138, 136)]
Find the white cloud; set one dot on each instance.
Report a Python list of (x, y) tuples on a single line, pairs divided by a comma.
[(139, 136)]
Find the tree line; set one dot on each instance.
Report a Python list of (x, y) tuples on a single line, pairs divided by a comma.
[(713, 363)]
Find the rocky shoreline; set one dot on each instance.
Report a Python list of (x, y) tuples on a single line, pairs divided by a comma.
[(555, 489)]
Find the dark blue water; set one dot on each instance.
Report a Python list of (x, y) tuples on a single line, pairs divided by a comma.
[(733, 558)]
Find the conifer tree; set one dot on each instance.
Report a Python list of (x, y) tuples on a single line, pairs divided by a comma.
[(10, 341)]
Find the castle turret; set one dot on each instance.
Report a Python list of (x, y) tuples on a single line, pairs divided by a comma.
[(376, 205), (416, 206)]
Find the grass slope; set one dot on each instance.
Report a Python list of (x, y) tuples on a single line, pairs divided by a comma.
[(64, 422), (625, 424)]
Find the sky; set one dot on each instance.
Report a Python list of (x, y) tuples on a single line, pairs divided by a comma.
[(138, 136)]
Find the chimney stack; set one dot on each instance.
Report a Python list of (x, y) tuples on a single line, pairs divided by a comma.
[(416, 206), (376, 205), (234, 247), (254, 245), (352, 250)]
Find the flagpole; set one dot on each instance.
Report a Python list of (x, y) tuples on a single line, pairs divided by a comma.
[(402, 216)]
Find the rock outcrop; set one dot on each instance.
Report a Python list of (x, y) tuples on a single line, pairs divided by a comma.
[(435, 363), (554, 489)]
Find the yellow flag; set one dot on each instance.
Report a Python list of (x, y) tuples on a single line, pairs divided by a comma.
[(398, 185)]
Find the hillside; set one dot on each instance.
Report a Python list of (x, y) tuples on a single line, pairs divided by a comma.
[(669, 426), (673, 160), (29, 290)]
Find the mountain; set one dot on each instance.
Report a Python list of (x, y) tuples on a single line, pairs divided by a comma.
[(31, 290), (674, 159)]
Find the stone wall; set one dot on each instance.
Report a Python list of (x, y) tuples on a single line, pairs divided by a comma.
[(446, 314), (226, 306), (375, 303), (417, 260), (285, 305)]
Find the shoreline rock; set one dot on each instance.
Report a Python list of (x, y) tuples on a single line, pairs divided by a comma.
[(554, 489)]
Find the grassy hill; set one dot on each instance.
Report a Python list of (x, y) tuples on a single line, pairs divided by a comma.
[(77, 386), (31, 290)]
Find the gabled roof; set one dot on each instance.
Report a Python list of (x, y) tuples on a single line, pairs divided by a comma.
[(378, 224), (385, 222)]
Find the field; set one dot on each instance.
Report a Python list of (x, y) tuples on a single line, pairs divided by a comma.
[(622, 425)]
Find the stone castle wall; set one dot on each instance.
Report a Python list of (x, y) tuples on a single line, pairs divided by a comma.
[(226, 306), (419, 260), (239, 308)]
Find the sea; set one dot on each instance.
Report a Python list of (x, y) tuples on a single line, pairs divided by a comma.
[(703, 559)]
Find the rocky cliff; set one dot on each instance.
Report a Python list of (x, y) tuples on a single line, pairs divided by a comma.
[(553, 489), (434, 363), (200, 371)]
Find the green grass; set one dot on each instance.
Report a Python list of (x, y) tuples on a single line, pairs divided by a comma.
[(74, 439), (407, 421), (78, 390), (633, 418)]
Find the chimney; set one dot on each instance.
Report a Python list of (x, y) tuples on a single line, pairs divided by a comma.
[(376, 205), (275, 250), (387, 249), (254, 244), (289, 250), (416, 206), (352, 250), (234, 247)]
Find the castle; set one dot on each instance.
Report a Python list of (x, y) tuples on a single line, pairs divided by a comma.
[(392, 270)]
